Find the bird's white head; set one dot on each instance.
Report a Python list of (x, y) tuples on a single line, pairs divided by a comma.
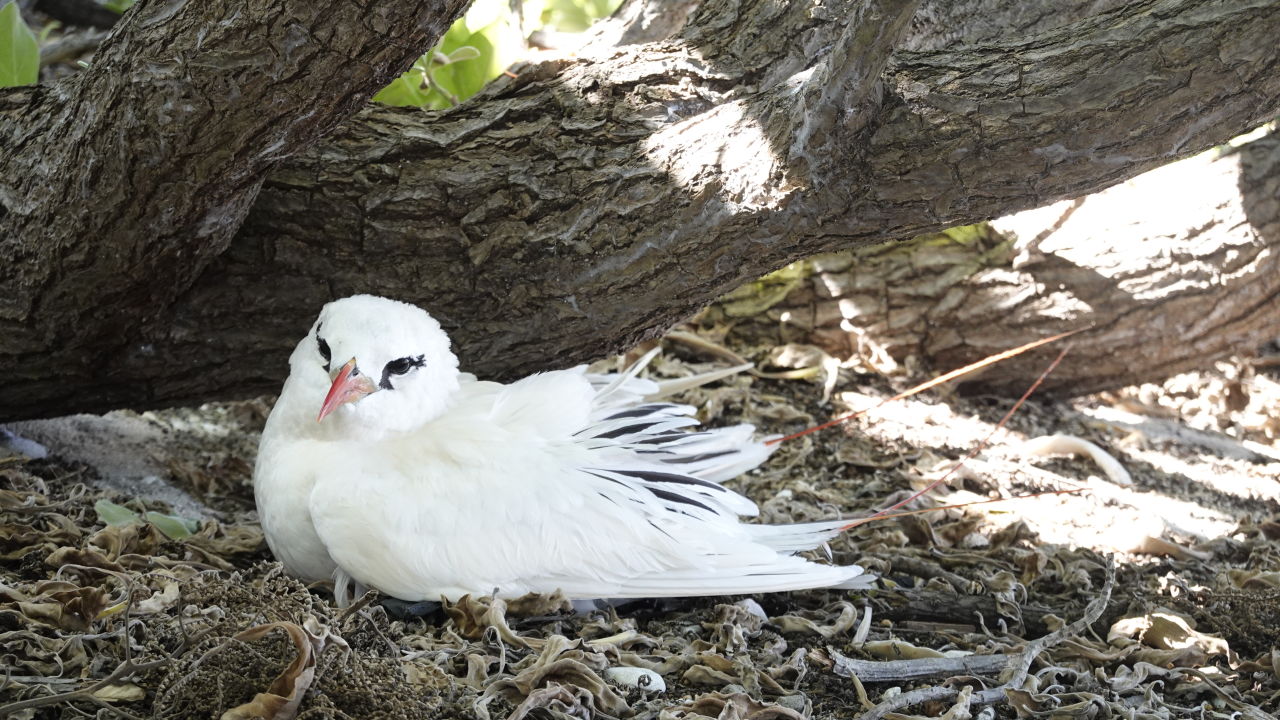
[(374, 367)]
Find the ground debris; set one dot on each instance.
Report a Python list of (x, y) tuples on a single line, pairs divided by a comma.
[(171, 616)]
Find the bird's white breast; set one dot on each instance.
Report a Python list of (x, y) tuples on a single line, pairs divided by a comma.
[(289, 457)]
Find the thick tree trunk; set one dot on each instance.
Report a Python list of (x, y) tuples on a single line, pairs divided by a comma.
[(1177, 267), (591, 202)]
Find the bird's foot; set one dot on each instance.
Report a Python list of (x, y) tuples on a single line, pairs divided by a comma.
[(404, 610)]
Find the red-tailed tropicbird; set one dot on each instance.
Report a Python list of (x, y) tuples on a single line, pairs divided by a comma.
[(384, 465)]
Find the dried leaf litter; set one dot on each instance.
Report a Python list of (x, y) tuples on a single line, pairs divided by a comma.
[(208, 626)]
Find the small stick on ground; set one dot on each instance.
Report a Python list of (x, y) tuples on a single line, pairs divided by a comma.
[(920, 668), (979, 448), (985, 362)]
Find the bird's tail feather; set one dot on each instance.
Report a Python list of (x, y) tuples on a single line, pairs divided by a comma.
[(795, 537), (667, 388), (784, 574)]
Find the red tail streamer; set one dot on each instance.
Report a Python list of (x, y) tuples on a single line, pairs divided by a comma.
[(938, 381)]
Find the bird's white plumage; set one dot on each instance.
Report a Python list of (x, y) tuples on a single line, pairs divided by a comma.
[(439, 485)]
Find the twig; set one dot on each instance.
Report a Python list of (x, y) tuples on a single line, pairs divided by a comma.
[(71, 46), (985, 362), (920, 668), (974, 452), (929, 571), (123, 670), (1090, 616), (1251, 711), (924, 604), (960, 506), (78, 12), (356, 606), (907, 699), (33, 679)]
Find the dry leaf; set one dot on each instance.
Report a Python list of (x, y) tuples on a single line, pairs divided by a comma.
[(126, 692), (565, 678), (1166, 630), (159, 601), (898, 650), (281, 699), (473, 616), (738, 706), (1254, 579), (844, 621)]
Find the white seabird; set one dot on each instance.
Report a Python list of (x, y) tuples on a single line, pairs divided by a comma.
[(382, 464)]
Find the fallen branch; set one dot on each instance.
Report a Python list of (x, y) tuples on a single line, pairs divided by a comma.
[(962, 608)]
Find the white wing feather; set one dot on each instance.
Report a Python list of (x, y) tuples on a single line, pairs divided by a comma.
[(560, 481)]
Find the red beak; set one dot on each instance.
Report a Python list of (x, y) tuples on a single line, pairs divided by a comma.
[(347, 387)]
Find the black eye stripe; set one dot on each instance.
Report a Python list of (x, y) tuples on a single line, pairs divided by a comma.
[(400, 366), (324, 350)]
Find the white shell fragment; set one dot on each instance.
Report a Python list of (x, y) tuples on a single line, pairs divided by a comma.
[(636, 677), (1071, 445), (753, 607)]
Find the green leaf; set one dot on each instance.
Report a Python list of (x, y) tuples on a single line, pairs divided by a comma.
[(113, 514), (175, 527), (575, 15), (480, 45), (466, 52), (404, 91), (46, 31), (19, 53), (464, 79)]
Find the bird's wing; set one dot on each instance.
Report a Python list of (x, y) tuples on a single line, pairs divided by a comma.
[(560, 481)]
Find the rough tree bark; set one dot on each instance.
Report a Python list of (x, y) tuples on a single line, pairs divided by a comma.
[(594, 201), (1175, 266), (119, 185)]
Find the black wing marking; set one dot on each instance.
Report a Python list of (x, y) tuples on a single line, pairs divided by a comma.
[(627, 430), (677, 498), (684, 459), (654, 476), (641, 411)]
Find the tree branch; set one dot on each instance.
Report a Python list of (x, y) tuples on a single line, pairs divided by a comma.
[(1168, 272), (942, 24), (592, 202), (840, 96), (119, 185)]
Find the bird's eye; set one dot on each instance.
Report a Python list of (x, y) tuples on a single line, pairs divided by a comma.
[(325, 352), (399, 366)]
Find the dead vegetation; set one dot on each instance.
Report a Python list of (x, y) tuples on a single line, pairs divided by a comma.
[(1158, 599)]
